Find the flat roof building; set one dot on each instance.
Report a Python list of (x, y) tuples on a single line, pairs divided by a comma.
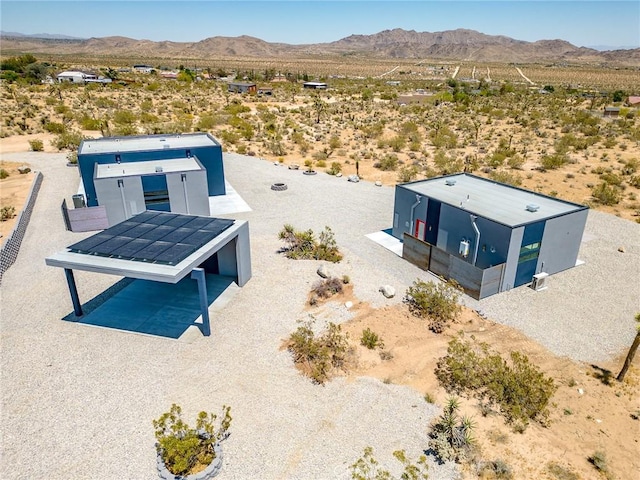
[(488, 236), (152, 172)]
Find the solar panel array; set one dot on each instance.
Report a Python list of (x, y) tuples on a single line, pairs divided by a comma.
[(154, 237)]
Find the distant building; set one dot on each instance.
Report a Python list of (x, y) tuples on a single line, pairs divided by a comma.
[(487, 236), (633, 101), (143, 68), (75, 76), (315, 85), (611, 111), (268, 91), (242, 87)]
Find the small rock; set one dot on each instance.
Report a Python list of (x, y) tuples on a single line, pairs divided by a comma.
[(353, 178), (378, 183), (323, 271), (348, 305), (580, 391), (388, 291), (621, 249), (24, 169), (338, 174)]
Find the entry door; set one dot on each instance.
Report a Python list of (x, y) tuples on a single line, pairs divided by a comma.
[(419, 230), (433, 221)]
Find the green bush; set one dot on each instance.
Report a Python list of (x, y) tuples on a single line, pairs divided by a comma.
[(304, 245), (7, 213), (336, 168), (518, 388), (36, 145), (3, 174), (319, 356), (407, 174), (186, 450), (606, 194), (438, 302), (54, 127), (451, 435), (371, 340), (387, 163), (68, 140), (367, 467)]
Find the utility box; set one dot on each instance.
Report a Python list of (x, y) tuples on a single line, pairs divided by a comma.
[(78, 201)]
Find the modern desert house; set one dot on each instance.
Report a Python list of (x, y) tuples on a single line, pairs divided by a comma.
[(487, 236), (171, 173)]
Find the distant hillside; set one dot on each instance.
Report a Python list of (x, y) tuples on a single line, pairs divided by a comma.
[(50, 36), (461, 45)]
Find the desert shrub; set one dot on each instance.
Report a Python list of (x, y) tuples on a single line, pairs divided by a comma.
[(321, 164), (554, 161), (36, 145), (185, 449), (7, 213), (336, 168), (319, 355), (371, 339), (599, 461), (451, 435), (54, 127), (368, 468), (327, 287), (561, 473), (407, 174), (124, 117), (635, 181), (387, 163), (304, 245), (438, 302), (68, 140), (506, 177), (497, 469), (606, 194), (518, 388), (3, 174), (88, 123), (72, 157)]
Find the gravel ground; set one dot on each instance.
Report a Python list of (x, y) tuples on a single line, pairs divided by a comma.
[(77, 401)]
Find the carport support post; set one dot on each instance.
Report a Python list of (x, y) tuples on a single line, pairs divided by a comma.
[(199, 276), (75, 299)]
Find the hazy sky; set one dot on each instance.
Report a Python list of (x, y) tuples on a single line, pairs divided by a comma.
[(583, 23)]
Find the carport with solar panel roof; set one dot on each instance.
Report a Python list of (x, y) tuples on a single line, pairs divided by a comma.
[(162, 247)]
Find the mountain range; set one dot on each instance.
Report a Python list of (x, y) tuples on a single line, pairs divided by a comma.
[(460, 44)]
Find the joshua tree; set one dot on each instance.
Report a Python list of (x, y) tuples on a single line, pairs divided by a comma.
[(632, 351)]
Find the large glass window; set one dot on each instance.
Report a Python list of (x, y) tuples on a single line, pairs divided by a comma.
[(529, 252)]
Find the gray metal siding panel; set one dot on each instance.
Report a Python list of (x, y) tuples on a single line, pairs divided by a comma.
[(511, 266), (561, 242)]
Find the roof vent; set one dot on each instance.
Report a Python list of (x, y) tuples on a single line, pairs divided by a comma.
[(450, 182), (158, 169), (532, 207)]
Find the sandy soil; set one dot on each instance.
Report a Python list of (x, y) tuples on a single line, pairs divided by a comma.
[(590, 411), (13, 193)]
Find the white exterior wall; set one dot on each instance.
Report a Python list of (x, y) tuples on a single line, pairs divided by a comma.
[(121, 202), (191, 196)]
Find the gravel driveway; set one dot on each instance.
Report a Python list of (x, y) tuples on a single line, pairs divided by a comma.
[(77, 401)]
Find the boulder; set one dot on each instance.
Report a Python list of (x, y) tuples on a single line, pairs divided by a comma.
[(378, 183), (348, 305), (24, 169), (388, 291), (323, 271), (621, 249), (353, 178)]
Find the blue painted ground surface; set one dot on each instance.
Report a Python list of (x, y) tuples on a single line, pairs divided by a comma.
[(155, 308)]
